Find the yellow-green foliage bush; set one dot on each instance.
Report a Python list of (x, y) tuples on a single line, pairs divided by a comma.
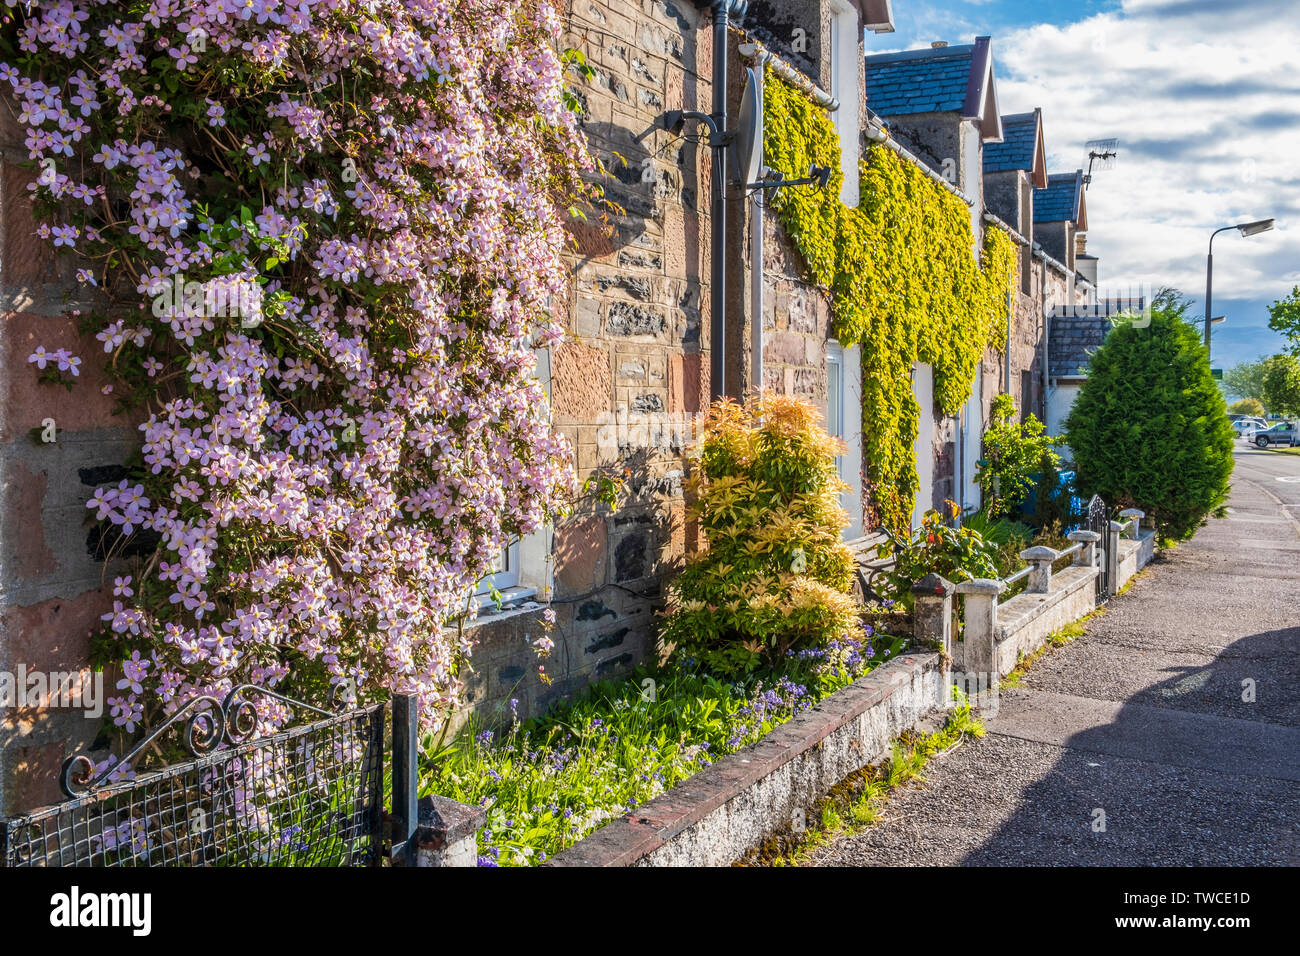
[(776, 575), (902, 278)]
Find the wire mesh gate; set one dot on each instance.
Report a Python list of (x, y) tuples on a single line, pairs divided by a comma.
[(1098, 520), (311, 795)]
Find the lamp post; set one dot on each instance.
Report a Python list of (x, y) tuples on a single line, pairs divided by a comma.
[(1246, 229)]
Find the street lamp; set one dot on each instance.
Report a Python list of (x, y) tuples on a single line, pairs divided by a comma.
[(1246, 229)]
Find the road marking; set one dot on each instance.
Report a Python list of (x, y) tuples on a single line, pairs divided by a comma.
[(1291, 478), (1295, 525)]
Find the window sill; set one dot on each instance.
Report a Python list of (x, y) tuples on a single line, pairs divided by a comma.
[(514, 601)]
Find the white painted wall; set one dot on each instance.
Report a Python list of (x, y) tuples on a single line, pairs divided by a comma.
[(1060, 399), (923, 392)]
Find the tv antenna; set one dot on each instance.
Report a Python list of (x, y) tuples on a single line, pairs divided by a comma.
[(1101, 156)]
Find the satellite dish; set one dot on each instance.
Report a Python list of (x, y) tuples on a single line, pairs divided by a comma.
[(748, 152)]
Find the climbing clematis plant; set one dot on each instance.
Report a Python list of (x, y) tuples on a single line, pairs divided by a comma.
[(327, 234)]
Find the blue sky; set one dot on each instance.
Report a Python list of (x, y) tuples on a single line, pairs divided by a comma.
[(1204, 98)]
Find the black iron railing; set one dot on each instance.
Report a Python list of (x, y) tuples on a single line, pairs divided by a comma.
[(311, 795), (1098, 520)]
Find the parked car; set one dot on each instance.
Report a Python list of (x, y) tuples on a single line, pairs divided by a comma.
[(1245, 426), (1284, 433)]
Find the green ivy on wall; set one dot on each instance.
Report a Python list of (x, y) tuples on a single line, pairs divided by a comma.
[(902, 281)]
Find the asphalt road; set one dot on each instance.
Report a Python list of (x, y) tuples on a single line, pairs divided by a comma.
[(1174, 721)]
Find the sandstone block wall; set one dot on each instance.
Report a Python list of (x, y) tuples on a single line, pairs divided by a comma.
[(52, 572)]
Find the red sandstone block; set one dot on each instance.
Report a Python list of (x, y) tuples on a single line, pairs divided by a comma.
[(27, 259), (27, 401), (581, 380), (580, 549), (32, 776), (54, 634), (23, 495)]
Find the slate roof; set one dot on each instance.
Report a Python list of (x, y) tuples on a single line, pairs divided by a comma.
[(1060, 200), (1019, 143), (1072, 339), (1075, 332), (919, 81)]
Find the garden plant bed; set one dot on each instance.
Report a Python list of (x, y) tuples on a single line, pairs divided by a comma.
[(550, 782)]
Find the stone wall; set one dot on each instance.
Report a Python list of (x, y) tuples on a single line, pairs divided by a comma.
[(1002, 192), (796, 322), (1057, 240), (936, 139), (1024, 353), (51, 569), (633, 372)]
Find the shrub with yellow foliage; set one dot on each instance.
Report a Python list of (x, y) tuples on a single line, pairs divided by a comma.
[(776, 576)]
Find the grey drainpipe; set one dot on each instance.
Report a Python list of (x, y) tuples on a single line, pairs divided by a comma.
[(1047, 354), (754, 52), (722, 12), (1006, 355), (756, 252)]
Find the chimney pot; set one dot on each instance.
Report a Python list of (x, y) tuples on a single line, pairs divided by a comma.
[(938, 44)]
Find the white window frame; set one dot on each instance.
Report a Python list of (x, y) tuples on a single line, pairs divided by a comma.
[(507, 576), (528, 570), (923, 393), (847, 403), (835, 397)]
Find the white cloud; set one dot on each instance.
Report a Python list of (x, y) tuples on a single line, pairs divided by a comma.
[(1204, 98)]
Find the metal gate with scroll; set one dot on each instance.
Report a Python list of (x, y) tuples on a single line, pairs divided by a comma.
[(306, 796), (1098, 520)]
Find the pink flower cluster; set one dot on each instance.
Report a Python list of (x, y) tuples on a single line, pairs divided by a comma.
[(328, 483)]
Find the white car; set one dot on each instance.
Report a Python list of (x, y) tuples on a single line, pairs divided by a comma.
[(1246, 427)]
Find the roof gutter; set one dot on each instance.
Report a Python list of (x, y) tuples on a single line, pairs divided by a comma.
[(877, 133), (993, 220), (754, 52)]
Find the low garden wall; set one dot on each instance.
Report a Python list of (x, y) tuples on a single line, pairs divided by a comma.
[(1024, 622), (733, 805), (1134, 555), (997, 635), (717, 815)]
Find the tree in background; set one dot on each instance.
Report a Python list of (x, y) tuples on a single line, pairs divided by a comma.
[(1282, 384), (1284, 317), (1247, 406), (1149, 428), (1013, 451), (1245, 380)]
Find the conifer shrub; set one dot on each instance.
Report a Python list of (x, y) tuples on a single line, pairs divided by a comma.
[(1149, 428)]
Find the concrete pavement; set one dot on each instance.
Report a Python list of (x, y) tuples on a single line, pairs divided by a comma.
[(1174, 722)]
